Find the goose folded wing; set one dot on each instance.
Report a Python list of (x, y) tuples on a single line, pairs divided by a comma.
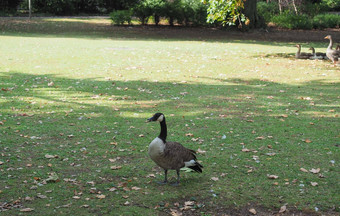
[(176, 154)]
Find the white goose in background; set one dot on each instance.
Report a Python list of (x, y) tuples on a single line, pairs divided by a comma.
[(333, 55), (302, 55)]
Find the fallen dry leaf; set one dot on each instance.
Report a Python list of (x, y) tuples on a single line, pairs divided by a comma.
[(200, 151), (48, 156), (273, 176), (151, 176), (245, 150), (127, 203), (314, 184), (41, 196), (214, 178), (315, 171), (308, 141), (76, 197), (175, 212), (26, 210), (189, 134), (253, 211), (141, 135), (303, 170), (116, 167), (283, 209), (1, 162), (101, 196), (189, 203), (112, 189), (135, 188)]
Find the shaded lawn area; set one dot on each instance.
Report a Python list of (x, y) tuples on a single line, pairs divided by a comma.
[(74, 138)]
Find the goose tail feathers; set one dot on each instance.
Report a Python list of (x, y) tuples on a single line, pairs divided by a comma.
[(194, 165)]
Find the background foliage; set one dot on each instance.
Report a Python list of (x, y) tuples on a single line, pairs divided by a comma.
[(309, 14), (298, 14)]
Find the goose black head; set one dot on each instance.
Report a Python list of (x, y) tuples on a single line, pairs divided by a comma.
[(157, 117)]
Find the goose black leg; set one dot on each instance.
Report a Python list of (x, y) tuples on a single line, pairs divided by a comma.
[(177, 182), (165, 178)]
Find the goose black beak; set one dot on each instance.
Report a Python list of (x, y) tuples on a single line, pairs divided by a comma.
[(149, 120)]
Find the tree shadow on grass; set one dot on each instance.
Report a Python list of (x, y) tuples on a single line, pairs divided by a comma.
[(84, 28), (85, 122)]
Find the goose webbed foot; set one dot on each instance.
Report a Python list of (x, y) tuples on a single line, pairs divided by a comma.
[(165, 178), (175, 184), (162, 182)]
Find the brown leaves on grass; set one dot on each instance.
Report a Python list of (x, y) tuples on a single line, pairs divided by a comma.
[(303, 170), (26, 210), (116, 167), (307, 141), (273, 176), (48, 156), (253, 211), (283, 209), (101, 196), (314, 184), (315, 171)]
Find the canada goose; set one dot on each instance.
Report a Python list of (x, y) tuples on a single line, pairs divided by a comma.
[(302, 55), (318, 55), (170, 155), (332, 54)]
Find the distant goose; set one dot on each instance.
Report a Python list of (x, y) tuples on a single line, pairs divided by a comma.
[(302, 55), (171, 155), (318, 55), (332, 54)]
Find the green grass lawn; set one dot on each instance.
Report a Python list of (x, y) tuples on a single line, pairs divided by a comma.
[(75, 95)]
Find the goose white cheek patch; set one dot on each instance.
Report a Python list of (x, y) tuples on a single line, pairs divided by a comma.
[(160, 118)]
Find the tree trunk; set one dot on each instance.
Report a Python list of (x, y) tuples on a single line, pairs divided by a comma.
[(295, 9), (250, 11), (280, 6)]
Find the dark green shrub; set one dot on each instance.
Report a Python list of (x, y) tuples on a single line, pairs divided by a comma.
[(142, 11), (267, 10), (292, 21), (322, 21), (194, 12), (173, 10), (119, 17)]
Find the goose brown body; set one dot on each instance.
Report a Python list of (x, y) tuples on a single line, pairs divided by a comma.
[(173, 156)]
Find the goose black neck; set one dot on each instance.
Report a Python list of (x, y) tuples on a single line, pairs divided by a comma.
[(163, 133)]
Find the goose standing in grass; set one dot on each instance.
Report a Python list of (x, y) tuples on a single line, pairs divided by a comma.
[(171, 155), (332, 54), (318, 55), (302, 55)]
